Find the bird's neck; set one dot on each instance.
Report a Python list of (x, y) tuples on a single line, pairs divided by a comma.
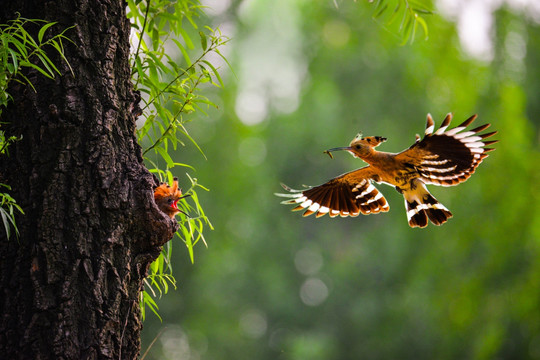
[(374, 157)]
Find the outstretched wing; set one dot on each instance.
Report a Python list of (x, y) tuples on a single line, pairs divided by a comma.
[(346, 195), (448, 157)]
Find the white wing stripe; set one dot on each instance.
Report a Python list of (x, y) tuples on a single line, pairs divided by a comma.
[(463, 135), (324, 210), (421, 207), (377, 197), (455, 130), (369, 189), (474, 144), (471, 139), (434, 162), (439, 170), (373, 199), (441, 130)]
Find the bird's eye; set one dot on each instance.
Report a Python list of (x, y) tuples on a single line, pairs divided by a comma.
[(357, 147), (170, 201)]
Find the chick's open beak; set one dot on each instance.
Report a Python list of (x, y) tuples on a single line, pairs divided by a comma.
[(175, 203)]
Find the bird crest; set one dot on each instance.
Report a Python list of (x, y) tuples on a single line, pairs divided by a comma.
[(167, 197)]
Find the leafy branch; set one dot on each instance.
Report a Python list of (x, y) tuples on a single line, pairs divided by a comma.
[(18, 50), (217, 41), (171, 90), (408, 11), (175, 122), (8, 205)]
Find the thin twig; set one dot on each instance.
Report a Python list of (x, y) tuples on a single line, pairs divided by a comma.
[(142, 32), (152, 343), (211, 48), (173, 122)]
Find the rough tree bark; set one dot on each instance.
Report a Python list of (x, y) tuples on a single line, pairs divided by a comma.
[(71, 282)]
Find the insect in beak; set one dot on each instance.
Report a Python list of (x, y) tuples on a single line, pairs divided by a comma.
[(329, 151)]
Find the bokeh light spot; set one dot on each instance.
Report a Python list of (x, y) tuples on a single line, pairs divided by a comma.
[(253, 323), (175, 343), (251, 107), (313, 292), (308, 261)]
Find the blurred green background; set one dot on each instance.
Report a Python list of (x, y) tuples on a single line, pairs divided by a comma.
[(308, 76)]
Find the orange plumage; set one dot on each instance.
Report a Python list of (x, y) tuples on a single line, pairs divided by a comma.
[(167, 197), (442, 157)]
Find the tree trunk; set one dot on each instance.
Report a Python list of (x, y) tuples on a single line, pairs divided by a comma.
[(71, 281)]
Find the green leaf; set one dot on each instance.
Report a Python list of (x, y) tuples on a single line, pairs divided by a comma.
[(187, 239), (165, 156), (148, 301), (204, 42), (184, 53), (43, 29), (29, 64), (215, 72), (395, 14), (21, 48), (49, 65), (186, 38), (5, 221), (15, 61), (380, 11), (422, 22), (160, 65)]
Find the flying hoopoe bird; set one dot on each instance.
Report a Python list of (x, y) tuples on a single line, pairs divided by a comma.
[(444, 157), (167, 197)]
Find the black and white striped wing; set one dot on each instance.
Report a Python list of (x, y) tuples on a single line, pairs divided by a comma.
[(448, 157), (346, 195)]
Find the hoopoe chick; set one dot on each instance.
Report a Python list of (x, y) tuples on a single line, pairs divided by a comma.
[(444, 157), (167, 197)]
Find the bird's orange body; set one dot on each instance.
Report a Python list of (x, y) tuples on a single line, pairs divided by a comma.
[(444, 157)]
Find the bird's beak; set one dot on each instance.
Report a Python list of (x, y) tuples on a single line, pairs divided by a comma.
[(175, 204), (329, 151)]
